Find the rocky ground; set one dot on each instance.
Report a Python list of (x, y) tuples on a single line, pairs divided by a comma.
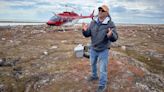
[(42, 59)]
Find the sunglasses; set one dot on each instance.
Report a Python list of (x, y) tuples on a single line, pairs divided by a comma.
[(100, 9)]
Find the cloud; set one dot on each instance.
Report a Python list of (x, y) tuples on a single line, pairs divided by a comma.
[(130, 11), (118, 9), (137, 11)]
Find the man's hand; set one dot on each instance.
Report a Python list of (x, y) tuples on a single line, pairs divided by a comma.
[(109, 34), (84, 26)]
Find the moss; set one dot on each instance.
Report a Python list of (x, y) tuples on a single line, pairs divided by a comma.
[(12, 84), (153, 64)]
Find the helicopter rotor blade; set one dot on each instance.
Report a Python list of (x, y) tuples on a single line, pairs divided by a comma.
[(54, 13)]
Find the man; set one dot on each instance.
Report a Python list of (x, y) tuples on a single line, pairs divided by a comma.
[(102, 32)]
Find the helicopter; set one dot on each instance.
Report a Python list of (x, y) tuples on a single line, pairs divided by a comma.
[(66, 18)]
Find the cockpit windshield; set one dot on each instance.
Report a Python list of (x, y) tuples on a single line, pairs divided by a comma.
[(55, 18)]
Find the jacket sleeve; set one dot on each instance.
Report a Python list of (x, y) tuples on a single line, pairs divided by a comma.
[(114, 36), (87, 33)]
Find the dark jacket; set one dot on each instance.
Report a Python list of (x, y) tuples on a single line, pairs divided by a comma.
[(98, 32)]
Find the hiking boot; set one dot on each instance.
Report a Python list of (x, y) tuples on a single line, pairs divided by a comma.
[(91, 78), (101, 89)]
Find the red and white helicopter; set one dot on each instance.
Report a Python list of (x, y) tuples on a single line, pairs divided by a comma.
[(66, 18)]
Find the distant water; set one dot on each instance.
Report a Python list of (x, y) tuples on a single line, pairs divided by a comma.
[(15, 24)]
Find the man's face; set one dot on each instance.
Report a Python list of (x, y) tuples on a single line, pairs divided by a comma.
[(102, 13)]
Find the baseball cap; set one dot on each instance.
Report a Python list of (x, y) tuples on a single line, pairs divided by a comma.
[(104, 7)]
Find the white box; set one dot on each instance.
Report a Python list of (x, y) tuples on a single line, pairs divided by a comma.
[(79, 50)]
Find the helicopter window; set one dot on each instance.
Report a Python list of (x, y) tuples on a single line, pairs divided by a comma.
[(55, 18), (62, 20)]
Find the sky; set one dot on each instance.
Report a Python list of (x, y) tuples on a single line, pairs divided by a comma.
[(121, 11)]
